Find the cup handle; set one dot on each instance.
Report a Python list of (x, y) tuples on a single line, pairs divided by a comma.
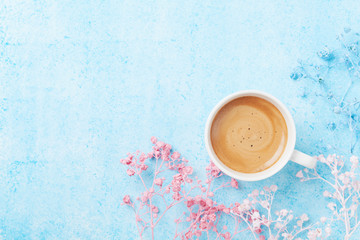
[(303, 159)]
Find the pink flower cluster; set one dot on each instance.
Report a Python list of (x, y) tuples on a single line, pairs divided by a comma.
[(203, 214)]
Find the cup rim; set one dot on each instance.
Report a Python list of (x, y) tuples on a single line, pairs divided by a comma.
[(290, 145)]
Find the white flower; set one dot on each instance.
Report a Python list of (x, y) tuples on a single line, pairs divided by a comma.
[(256, 215), (312, 234), (354, 159), (326, 194), (299, 223), (319, 232), (353, 208), (300, 174), (330, 159), (346, 181), (286, 235), (283, 212), (331, 206), (304, 217), (264, 204), (356, 185), (323, 219), (278, 225), (341, 177), (274, 188), (321, 158)]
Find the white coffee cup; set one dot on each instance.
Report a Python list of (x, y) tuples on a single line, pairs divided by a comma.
[(289, 153)]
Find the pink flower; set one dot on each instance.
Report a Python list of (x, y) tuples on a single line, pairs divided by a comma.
[(145, 197), (188, 170), (165, 155), (130, 172), (190, 203), (150, 155), (203, 225), (159, 144), (202, 203), (167, 147), (234, 183), (155, 209), (153, 140), (214, 171), (262, 237), (158, 182), (227, 236), (209, 202), (126, 161), (258, 230), (156, 153), (142, 157), (188, 235), (176, 196), (175, 155), (212, 217), (126, 200), (143, 167)]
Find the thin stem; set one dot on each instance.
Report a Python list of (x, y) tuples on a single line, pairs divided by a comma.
[(248, 226)]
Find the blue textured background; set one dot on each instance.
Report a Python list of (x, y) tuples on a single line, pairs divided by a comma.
[(84, 82)]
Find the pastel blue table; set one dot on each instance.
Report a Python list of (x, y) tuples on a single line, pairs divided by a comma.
[(82, 83)]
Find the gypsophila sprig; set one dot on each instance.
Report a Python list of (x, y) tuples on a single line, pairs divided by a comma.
[(343, 61), (345, 191), (201, 214)]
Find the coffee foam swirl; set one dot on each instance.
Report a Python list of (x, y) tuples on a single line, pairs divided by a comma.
[(249, 134)]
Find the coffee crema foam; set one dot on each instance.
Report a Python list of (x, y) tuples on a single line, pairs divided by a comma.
[(249, 134)]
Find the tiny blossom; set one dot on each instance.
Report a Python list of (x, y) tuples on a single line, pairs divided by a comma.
[(354, 159), (130, 172), (273, 188), (255, 193), (126, 200), (143, 167), (300, 174), (159, 182), (283, 212), (234, 183), (304, 217), (153, 140), (175, 155), (326, 194)]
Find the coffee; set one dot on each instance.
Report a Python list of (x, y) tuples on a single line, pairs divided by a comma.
[(249, 134)]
